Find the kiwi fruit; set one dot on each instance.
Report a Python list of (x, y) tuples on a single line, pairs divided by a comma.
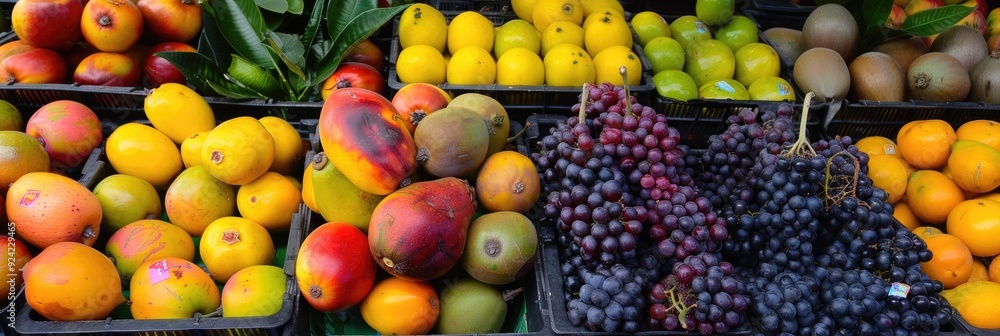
[(964, 43), (823, 72), (985, 79), (904, 50), (832, 26), (937, 76), (876, 76)]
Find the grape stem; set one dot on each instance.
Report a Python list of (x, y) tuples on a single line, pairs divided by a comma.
[(519, 133), (628, 101), (584, 96), (801, 146), (835, 195), (679, 306)]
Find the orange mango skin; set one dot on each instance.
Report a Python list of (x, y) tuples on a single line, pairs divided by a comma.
[(35, 66), (365, 138)]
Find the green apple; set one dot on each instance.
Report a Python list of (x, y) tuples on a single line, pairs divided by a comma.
[(688, 29), (664, 53), (709, 60), (738, 32), (723, 89), (715, 12), (755, 61), (771, 88), (649, 25), (675, 84)]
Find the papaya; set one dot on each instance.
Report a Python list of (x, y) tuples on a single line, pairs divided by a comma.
[(452, 142), (419, 231), (336, 198), (366, 139)]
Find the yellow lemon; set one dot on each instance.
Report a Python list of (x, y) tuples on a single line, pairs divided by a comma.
[(548, 11), (649, 25), (421, 64), (238, 151), (524, 9), (472, 66), (178, 111), (470, 29), (520, 66), (610, 60), (568, 65), (589, 19), (516, 34), (609, 31), (144, 152), (270, 201), (287, 145), (591, 6), (191, 149), (561, 32), (421, 24)]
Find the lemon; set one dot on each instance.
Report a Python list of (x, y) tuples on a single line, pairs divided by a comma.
[(516, 34), (191, 149), (421, 64), (649, 25), (609, 31), (144, 152), (520, 66), (589, 19), (238, 151), (470, 29), (178, 111), (287, 145), (10, 117), (270, 201), (548, 11), (561, 32), (472, 66), (568, 65), (524, 9), (591, 6), (609, 61), (421, 24)]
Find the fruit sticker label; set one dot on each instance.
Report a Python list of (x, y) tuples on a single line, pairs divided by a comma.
[(158, 271), (724, 86), (29, 198), (702, 28), (899, 289), (889, 149), (784, 90)]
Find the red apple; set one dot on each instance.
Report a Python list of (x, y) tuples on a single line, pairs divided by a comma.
[(368, 53), (415, 101), (111, 25), (916, 6), (353, 74), (896, 17), (335, 269), (157, 70), (50, 24), (171, 20), (107, 69), (36, 66), (975, 20), (68, 130)]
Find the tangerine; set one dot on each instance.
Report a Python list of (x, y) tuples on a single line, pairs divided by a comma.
[(926, 144), (889, 173), (878, 145), (975, 222), (905, 216), (398, 306), (932, 195), (952, 261), (985, 131)]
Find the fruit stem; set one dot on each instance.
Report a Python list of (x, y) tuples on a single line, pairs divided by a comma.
[(802, 143), (519, 133), (681, 310), (215, 313), (509, 294), (584, 96), (628, 95), (320, 161), (995, 53)]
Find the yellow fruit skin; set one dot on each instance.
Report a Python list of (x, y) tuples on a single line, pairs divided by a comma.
[(977, 224), (561, 32), (270, 201), (470, 29), (191, 149), (307, 190), (607, 32), (144, 152), (48, 279), (125, 199), (231, 244), (238, 151), (336, 198), (421, 24), (254, 291), (195, 199), (610, 60), (548, 11), (591, 6), (178, 111), (568, 65), (976, 303), (287, 145), (472, 66), (524, 9), (187, 290), (975, 166)]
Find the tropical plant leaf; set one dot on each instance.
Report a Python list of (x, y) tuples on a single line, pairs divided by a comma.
[(296, 6), (360, 28), (276, 6), (241, 94), (242, 24), (935, 20), (204, 74), (212, 44), (317, 52), (272, 20), (289, 50), (876, 12), (340, 17), (315, 20)]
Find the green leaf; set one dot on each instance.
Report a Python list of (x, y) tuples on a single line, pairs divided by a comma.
[(315, 19), (935, 20), (290, 51), (211, 43), (359, 29), (242, 24), (296, 6), (318, 51), (277, 6), (339, 17), (272, 20), (204, 74), (876, 12), (241, 93)]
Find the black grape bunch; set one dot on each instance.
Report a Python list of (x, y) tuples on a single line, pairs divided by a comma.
[(701, 294)]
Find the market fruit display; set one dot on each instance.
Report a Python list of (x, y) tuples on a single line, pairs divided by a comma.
[(62, 281)]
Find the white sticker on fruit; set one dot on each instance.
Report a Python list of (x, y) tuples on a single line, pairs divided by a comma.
[(899, 289), (702, 28), (158, 271), (724, 86), (784, 90), (890, 149)]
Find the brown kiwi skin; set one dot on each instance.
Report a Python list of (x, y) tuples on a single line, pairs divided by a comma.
[(904, 50), (964, 43), (823, 72), (876, 76), (985, 80), (832, 26), (937, 76)]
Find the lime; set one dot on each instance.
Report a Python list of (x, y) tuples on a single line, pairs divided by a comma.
[(664, 53), (688, 29), (709, 60), (755, 61), (649, 25), (520, 66), (675, 84), (738, 32), (516, 34), (715, 12)]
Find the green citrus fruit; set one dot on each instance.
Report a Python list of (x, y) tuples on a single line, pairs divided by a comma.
[(709, 60), (738, 32), (771, 88), (688, 29), (516, 34), (755, 61), (664, 53), (723, 89), (649, 25), (715, 12), (675, 84)]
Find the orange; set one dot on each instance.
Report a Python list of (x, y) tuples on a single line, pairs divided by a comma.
[(905, 216), (976, 223), (985, 131), (974, 166), (952, 261), (403, 307), (270, 201), (994, 269), (979, 271), (932, 195), (877, 145), (889, 173), (968, 194), (926, 144), (990, 196), (976, 303), (926, 231)]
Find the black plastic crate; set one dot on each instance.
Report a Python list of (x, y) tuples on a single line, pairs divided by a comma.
[(767, 20), (471, 5), (868, 118)]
